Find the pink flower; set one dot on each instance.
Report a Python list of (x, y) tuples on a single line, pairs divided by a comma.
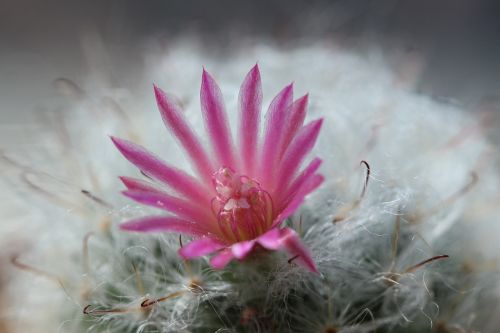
[(243, 192)]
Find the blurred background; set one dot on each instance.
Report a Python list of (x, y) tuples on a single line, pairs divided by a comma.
[(455, 42)]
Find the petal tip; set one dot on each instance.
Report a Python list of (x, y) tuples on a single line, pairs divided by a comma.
[(126, 181), (294, 245), (318, 123), (286, 93), (158, 92), (124, 146), (207, 81), (304, 99), (205, 75), (160, 96), (316, 162), (255, 71), (117, 141)]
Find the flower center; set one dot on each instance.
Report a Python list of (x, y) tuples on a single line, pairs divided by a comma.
[(243, 209)]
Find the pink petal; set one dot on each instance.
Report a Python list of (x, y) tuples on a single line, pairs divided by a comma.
[(242, 249), (274, 239), (200, 247), (250, 102), (286, 238), (275, 122), (162, 224), (270, 240), (297, 151), (220, 260), (156, 168), (310, 185), (286, 195), (214, 113), (292, 243), (173, 119), (138, 184), (295, 119), (180, 207)]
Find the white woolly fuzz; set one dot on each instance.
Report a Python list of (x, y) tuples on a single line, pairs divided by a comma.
[(414, 249)]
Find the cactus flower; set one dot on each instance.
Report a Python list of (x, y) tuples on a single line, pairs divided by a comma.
[(244, 189)]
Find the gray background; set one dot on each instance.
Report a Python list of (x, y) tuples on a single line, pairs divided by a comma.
[(42, 40)]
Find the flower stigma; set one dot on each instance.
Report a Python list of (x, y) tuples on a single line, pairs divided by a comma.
[(242, 208)]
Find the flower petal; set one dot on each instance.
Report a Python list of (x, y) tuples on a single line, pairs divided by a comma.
[(214, 113), (297, 151), (295, 120), (135, 184), (163, 224), (307, 187), (173, 119), (250, 102), (270, 240), (180, 207), (292, 243), (242, 249), (287, 195), (221, 259), (276, 239), (200, 247), (156, 168), (275, 122)]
